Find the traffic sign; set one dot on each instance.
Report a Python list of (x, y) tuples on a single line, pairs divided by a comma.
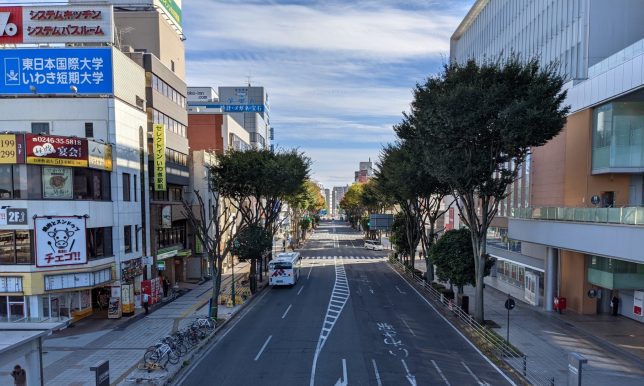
[(510, 304)]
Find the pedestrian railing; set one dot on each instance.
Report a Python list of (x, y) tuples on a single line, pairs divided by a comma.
[(529, 367)]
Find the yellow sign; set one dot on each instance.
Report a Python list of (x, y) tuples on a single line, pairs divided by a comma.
[(8, 149), (100, 155), (158, 138)]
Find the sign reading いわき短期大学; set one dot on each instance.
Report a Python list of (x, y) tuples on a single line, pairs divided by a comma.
[(56, 71)]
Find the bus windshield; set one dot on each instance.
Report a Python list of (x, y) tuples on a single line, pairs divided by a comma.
[(280, 265)]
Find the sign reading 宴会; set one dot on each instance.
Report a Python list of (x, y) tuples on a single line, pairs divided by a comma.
[(57, 24), (56, 71), (60, 241), (158, 137), (11, 149), (55, 150)]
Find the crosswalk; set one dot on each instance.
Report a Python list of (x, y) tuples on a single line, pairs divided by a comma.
[(343, 257)]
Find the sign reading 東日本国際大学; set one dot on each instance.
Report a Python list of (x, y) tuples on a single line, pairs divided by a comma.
[(158, 144), (56, 71)]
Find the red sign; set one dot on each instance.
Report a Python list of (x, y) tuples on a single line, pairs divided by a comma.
[(55, 150), (10, 25), (450, 222)]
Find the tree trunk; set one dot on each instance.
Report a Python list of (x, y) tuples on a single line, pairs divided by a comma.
[(479, 267), (216, 286), (253, 277)]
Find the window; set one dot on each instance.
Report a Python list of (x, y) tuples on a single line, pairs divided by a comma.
[(176, 193), (15, 247), (135, 186), (136, 238), (172, 65), (6, 182), (89, 129), (126, 186), (99, 242), (90, 184), (39, 127), (127, 238)]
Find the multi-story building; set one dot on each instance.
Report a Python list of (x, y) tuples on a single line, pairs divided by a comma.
[(572, 224), (327, 199), (337, 194), (72, 227), (150, 33), (364, 172), (249, 106)]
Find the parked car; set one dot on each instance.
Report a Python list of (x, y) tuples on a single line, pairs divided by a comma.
[(374, 245)]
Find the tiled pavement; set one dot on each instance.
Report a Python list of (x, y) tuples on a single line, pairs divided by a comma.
[(68, 356)]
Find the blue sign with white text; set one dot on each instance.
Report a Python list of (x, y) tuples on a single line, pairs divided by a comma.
[(243, 108), (56, 71)]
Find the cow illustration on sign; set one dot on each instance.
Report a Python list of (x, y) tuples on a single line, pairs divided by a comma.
[(60, 241)]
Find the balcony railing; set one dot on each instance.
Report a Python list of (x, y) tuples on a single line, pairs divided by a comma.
[(626, 215)]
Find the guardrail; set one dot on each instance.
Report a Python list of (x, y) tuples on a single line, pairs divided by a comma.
[(633, 215), (488, 341)]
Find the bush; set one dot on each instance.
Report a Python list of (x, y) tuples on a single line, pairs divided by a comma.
[(437, 286)]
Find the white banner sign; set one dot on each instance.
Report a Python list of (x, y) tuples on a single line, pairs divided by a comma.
[(60, 241), (68, 24)]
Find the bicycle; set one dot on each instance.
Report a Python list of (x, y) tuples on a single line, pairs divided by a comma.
[(160, 354)]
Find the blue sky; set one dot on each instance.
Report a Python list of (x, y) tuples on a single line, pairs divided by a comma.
[(338, 73)]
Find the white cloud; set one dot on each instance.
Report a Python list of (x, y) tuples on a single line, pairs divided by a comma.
[(335, 168), (352, 29)]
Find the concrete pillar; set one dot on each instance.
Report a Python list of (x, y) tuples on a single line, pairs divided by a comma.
[(551, 274), (33, 364)]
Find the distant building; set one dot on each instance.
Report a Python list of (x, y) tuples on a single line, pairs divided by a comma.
[(336, 196), (364, 172)]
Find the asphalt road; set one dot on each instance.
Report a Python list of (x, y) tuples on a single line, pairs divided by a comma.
[(350, 320)]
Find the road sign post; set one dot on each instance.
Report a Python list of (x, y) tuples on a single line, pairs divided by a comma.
[(509, 305)]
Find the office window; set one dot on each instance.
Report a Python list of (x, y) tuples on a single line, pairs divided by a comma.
[(135, 186), (126, 186), (172, 65), (89, 129), (99, 242), (6, 182), (127, 238), (16, 247), (40, 127), (136, 239)]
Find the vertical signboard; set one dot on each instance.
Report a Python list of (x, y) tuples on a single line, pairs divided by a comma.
[(12, 149), (158, 137), (100, 155), (60, 241)]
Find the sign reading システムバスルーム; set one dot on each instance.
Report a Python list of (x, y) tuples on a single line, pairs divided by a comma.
[(55, 150)]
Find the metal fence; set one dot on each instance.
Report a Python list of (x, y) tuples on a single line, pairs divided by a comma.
[(625, 215), (529, 366)]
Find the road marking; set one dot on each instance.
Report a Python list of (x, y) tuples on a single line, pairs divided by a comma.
[(263, 347), (344, 381), (402, 292), (301, 288), (411, 378), (371, 290), (511, 382), (375, 369), (329, 319), (474, 376), (441, 373), (307, 276), (287, 310), (407, 325)]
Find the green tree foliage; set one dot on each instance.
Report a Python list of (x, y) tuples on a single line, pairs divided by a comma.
[(308, 201), (405, 239), (452, 255), (251, 243), (352, 203), (256, 182), (476, 124)]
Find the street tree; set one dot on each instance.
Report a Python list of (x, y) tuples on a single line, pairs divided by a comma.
[(476, 123), (251, 243), (452, 255), (308, 201), (402, 176), (258, 181), (213, 224), (352, 204)]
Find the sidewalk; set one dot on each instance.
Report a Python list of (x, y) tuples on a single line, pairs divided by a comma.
[(614, 346), (68, 354)]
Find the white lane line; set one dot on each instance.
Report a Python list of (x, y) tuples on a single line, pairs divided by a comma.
[(511, 382), (441, 373), (344, 381), (407, 325), (474, 376), (301, 288), (261, 350), (410, 377), (287, 310), (375, 370), (402, 292), (307, 276)]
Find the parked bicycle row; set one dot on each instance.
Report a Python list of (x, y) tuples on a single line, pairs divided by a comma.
[(172, 347)]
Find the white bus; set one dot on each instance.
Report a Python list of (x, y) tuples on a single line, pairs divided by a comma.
[(284, 269)]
